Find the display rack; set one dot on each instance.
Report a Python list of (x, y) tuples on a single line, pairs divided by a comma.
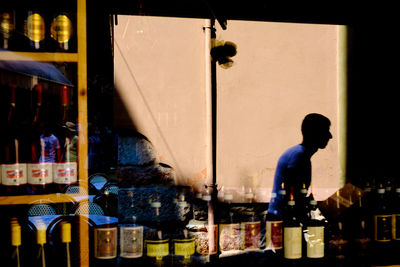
[(80, 58)]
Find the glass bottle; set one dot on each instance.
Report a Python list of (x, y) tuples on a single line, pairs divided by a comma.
[(314, 236), (292, 234), (157, 242), (13, 169), (7, 28), (62, 31), (105, 243), (35, 30)]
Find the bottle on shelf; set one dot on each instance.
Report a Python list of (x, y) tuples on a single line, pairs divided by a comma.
[(105, 243), (396, 225), (292, 233), (183, 245), (131, 240), (40, 167), (7, 28), (65, 172), (382, 238), (62, 32), (13, 170), (156, 243), (314, 236), (274, 226), (338, 245), (34, 30)]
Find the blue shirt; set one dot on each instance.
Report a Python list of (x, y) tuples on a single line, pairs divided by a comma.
[(296, 158)]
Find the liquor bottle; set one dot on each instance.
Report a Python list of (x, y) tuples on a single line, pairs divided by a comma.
[(13, 170), (396, 225), (105, 243), (35, 30), (302, 203), (338, 245), (156, 242), (39, 169), (382, 228), (314, 236), (198, 207), (7, 28), (183, 245), (62, 32), (65, 172), (292, 234)]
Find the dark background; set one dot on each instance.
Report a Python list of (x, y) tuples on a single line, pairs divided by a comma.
[(373, 109)]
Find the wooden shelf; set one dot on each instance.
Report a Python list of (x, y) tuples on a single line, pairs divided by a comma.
[(38, 56), (50, 198)]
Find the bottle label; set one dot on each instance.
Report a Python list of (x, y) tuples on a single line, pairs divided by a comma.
[(292, 242), (157, 248), (315, 242), (396, 226), (229, 237), (65, 173), (251, 235), (40, 173), (61, 29), (131, 242), (35, 28), (206, 240), (13, 174), (383, 228), (105, 243), (184, 247), (274, 235)]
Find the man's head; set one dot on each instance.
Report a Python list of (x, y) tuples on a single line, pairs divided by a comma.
[(315, 130)]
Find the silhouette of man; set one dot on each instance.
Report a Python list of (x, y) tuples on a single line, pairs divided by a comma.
[(294, 165)]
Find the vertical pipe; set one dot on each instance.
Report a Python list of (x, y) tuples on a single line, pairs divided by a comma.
[(208, 89)]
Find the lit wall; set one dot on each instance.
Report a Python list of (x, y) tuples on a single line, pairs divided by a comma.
[(282, 71)]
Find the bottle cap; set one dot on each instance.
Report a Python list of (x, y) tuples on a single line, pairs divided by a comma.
[(41, 234), (15, 234)]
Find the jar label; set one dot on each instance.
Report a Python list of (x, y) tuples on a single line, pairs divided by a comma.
[(315, 242), (157, 248), (206, 240), (229, 237), (35, 28), (396, 227), (105, 243), (184, 247), (61, 29), (292, 242), (251, 235), (40, 173), (131, 242), (13, 174), (383, 228), (65, 173), (274, 235)]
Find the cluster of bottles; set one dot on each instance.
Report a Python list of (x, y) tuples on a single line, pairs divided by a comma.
[(37, 29), (36, 242), (299, 235), (38, 150), (368, 232)]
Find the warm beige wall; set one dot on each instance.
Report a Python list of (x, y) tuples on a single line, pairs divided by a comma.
[(282, 71)]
